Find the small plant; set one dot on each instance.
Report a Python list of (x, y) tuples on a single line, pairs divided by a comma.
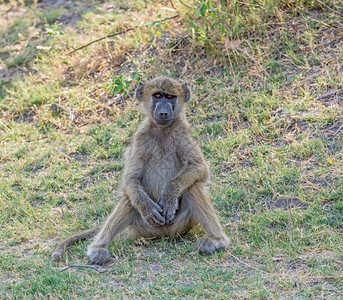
[(157, 28), (53, 30), (214, 23), (120, 84)]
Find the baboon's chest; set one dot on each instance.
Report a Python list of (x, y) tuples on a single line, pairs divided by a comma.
[(163, 165)]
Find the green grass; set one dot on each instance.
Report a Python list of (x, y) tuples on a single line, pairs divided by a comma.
[(266, 109)]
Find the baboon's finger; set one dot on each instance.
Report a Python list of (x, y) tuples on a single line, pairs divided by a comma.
[(169, 216), (158, 218), (157, 207)]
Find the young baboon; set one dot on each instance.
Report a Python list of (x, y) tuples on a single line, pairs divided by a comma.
[(165, 184)]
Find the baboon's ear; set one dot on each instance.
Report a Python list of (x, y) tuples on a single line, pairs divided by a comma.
[(139, 91), (187, 92)]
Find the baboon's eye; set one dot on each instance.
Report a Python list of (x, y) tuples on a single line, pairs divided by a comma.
[(170, 96), (157, 95)]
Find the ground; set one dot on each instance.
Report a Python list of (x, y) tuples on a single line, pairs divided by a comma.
[(266, 108)]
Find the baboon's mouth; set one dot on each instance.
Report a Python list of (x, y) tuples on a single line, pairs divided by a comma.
[(163, 122)]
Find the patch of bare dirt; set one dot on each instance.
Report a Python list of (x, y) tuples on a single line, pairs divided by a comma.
[(26, 117), (241, 159), (80, 157), (286, 203), (70, 18), (7, 74)]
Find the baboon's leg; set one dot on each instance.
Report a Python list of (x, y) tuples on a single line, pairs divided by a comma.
[(183, 221), (203, 212), (122, 216)]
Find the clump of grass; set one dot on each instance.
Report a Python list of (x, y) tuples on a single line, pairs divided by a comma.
[(52, 15)]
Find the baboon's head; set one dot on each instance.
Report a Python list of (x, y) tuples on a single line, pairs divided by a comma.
[(163, 99)]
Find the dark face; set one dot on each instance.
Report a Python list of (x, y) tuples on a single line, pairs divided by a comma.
[(163, 108)]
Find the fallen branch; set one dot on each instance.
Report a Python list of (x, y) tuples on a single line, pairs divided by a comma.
[(104, 37), (329, 8), (186, 4), (172, 5), (84, 266), (120, 32)]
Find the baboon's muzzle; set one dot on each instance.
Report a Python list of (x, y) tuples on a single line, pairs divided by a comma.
[(164, 114)]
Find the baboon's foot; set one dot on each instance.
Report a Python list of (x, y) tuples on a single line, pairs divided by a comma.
[(208, 246), (99, 256)]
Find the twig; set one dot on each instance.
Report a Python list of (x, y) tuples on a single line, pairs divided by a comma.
[(240, 261), (2, 123), (172, 5), (104, 37), (250, 266), (84, 266), (338, 130), (329, 94), (118, 33), (329, 8), (185, 4)]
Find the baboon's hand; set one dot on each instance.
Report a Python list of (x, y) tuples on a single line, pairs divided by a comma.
[(153, 214), (169, 204)]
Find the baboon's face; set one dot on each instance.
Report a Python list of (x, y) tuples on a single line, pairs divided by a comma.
[(163, 99), (163, 108)]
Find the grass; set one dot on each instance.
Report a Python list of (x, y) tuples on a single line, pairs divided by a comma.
[(266, 109)]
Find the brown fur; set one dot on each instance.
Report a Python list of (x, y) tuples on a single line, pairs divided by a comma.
[(165, 183)]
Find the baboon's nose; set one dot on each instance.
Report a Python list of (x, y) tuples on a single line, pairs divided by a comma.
[(163, 115)]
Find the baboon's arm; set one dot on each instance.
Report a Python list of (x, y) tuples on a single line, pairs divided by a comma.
[(194, 169)]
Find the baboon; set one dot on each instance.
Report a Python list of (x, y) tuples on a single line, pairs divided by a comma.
[(165, 183)]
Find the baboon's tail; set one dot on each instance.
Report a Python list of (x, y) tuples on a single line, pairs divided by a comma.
[(62, 245)]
